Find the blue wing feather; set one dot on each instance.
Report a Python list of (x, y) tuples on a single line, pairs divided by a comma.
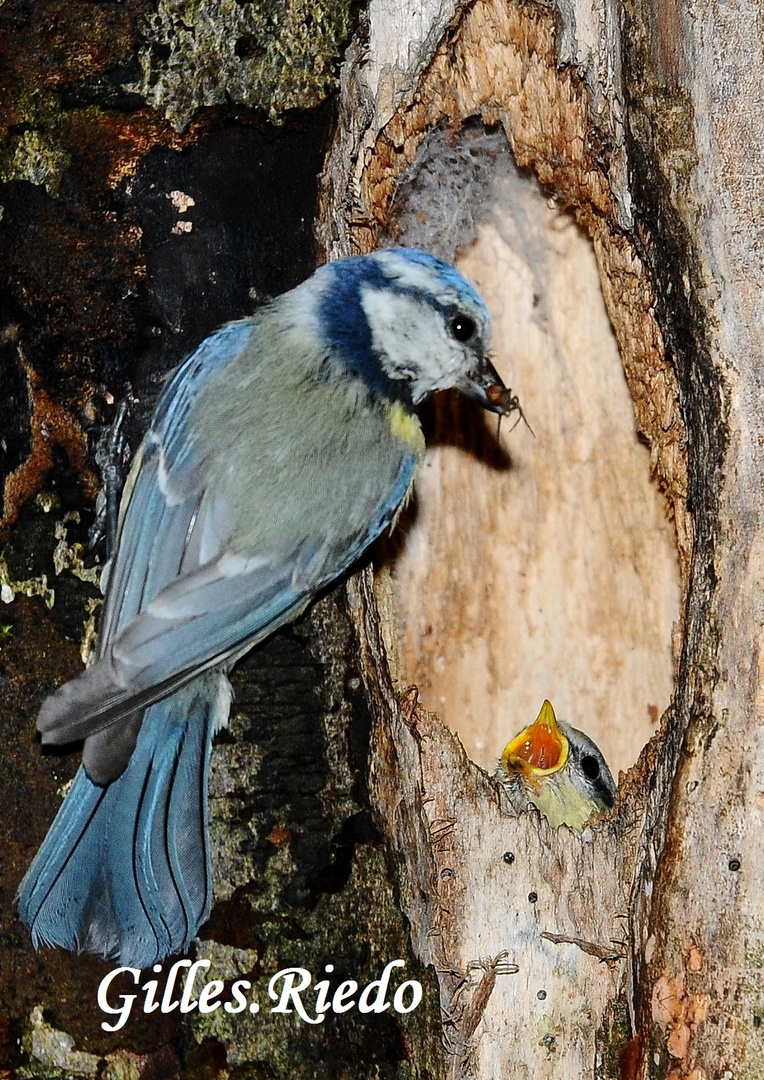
[(154, 531)]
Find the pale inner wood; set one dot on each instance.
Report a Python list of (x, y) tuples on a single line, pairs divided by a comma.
[(556, 575)]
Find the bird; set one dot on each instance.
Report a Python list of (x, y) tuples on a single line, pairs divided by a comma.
[(558, 769), (277, 453)]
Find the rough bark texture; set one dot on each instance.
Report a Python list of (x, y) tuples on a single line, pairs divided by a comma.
[(698, 167), (644, 130)]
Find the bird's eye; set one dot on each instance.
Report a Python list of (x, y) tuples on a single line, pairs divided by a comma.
[(590, 766), (462, 327)]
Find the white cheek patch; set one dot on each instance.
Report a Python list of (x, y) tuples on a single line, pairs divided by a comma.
[(413, 342)]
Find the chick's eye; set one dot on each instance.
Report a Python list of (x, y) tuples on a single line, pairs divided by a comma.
[(462, 327), (590, 766)]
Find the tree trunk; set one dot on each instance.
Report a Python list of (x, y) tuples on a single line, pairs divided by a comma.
[(641, 936), (594, 169)]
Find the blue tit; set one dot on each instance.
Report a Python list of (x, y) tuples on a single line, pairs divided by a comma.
[(277, 453), (558, 769)]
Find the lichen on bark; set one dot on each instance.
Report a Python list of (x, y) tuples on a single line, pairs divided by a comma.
[(273, 55)]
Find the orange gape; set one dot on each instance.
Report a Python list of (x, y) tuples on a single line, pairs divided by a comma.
[(541, 749)]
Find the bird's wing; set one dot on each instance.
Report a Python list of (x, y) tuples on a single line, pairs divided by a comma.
[(181, 598), (198, 620), (164, 490)]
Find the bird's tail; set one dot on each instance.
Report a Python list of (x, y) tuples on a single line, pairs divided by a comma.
[(124, 871)]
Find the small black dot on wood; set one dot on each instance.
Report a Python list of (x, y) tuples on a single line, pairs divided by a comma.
[(533, 897), (541, 995), (508, 857), (446, 873), (757, 1021), (548, 1040), (734, 864)]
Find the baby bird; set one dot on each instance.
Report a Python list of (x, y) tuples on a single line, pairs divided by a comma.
[(558, 769), (277, 453)]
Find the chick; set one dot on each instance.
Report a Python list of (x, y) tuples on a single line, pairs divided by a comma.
[(558, 769)]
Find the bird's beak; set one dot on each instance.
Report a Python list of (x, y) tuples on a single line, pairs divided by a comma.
[(538, 750), (484, 385)]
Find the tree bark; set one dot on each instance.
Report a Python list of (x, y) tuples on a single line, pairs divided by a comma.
[(594, 168), (639, 124)]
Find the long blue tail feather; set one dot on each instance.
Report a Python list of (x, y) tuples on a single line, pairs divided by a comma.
[(125, 871)]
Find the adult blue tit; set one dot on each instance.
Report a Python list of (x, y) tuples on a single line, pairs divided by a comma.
[(277, 453), (558, 769)]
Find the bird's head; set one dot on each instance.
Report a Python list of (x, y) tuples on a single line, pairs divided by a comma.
[(558, 769), (409, 324)]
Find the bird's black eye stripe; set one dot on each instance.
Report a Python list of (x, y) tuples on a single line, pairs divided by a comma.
[(462, 327), (590, 767)]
